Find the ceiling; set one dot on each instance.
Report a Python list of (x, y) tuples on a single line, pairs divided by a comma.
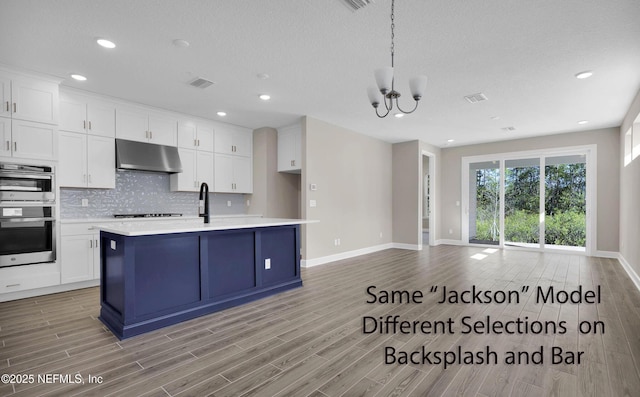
[(320, 57)]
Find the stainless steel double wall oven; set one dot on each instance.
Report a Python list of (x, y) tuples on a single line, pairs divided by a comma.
[(27, 214)]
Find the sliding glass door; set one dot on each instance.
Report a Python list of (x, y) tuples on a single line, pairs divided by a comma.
[(529, 200), (522, 202), (484, 202), (565, 207)]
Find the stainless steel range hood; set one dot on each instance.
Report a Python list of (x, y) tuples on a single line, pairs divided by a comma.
[(131, 155)]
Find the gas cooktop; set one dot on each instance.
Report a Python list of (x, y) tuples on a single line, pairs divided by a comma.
[(158, 215)]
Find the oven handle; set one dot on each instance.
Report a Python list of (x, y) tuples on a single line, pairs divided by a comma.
[(26, 175), (47, 219)]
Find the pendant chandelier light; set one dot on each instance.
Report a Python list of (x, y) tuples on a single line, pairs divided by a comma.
[(385, 81)]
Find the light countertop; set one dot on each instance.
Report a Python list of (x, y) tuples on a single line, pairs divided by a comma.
[(146, 228)]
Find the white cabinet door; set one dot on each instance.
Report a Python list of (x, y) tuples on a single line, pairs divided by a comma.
[(34, 100), (101, 162), (187, 135), (73, 113), (205, 168), (185, 181), (205, 138), (162, 130), (224, 141), (5, 137), (77, 258), (101, 118), (223, 171), (242, 175), (5, 97), (289, 149), (243, 142), (132, 124), (72, 168), (33, 140)]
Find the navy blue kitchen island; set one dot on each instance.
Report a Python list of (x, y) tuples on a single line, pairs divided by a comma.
[(155, 275)]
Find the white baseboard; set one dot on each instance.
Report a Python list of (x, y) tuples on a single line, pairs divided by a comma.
[(402, 246), (632, 273), (30, 293), (344, 255), (607, 254), (449, 242)]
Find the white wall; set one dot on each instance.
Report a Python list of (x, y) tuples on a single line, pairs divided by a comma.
[(352, 173), (630, 196)]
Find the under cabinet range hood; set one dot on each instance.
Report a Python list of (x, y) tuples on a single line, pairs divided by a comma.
[(131, 155)]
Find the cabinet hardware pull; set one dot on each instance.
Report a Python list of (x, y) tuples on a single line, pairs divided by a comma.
[(84, 177), (89, 124), (12, 285), (15, 146), (7, 106), (89, 178), (195, 142), (8, 146), (14, 108), (294, 163), (84, 124), (96, 243), (198, 142), (90, 243), (151, 134), (146, 134)]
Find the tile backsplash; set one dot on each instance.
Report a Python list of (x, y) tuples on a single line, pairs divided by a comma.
[(143, 192)]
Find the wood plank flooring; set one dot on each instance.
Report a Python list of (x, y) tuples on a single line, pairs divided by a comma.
[(310, 341)]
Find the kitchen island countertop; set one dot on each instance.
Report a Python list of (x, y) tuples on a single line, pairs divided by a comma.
[(147, 228)]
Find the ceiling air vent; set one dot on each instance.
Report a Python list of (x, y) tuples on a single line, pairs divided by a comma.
[(200, 82), (355, 5), (507, 129), (475, 98)]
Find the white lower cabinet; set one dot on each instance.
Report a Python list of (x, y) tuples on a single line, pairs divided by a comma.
[(233, 174), (80, 253), (22, 278)]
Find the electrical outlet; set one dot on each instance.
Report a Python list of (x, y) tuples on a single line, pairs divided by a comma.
[(450, 231), (248, 203), (380, 234), (85, 202), (312, 203), (229, 203), (267, 263)]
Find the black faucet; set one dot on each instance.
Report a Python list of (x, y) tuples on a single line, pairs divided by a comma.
[(204, 207)]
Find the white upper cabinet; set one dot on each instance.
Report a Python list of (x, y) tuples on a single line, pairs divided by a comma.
[(233, 174), (234, 140), (33, 140), (197, 167), (86, 161), (29, 111), (29, 99), (89, 115), (289, 149), (145, 126), (195, 135)]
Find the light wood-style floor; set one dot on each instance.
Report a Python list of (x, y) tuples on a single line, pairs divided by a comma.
[(309, 341)]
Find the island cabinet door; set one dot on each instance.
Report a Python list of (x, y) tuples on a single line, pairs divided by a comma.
[(231, 262), (279, 255)]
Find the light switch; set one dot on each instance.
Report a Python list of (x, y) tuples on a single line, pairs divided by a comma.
[(312, 203)]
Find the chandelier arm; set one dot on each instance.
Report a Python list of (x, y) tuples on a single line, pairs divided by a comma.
[(406, 112), (388, 106), (382, 115)]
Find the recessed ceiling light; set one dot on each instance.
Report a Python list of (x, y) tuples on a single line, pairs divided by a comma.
[(181, 43), (78, 77), (583, 122), (450, 140), (106, 43), (584, 75), (262, 76), (399, 115), (265, 97), (495, 118), (221, 114)]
